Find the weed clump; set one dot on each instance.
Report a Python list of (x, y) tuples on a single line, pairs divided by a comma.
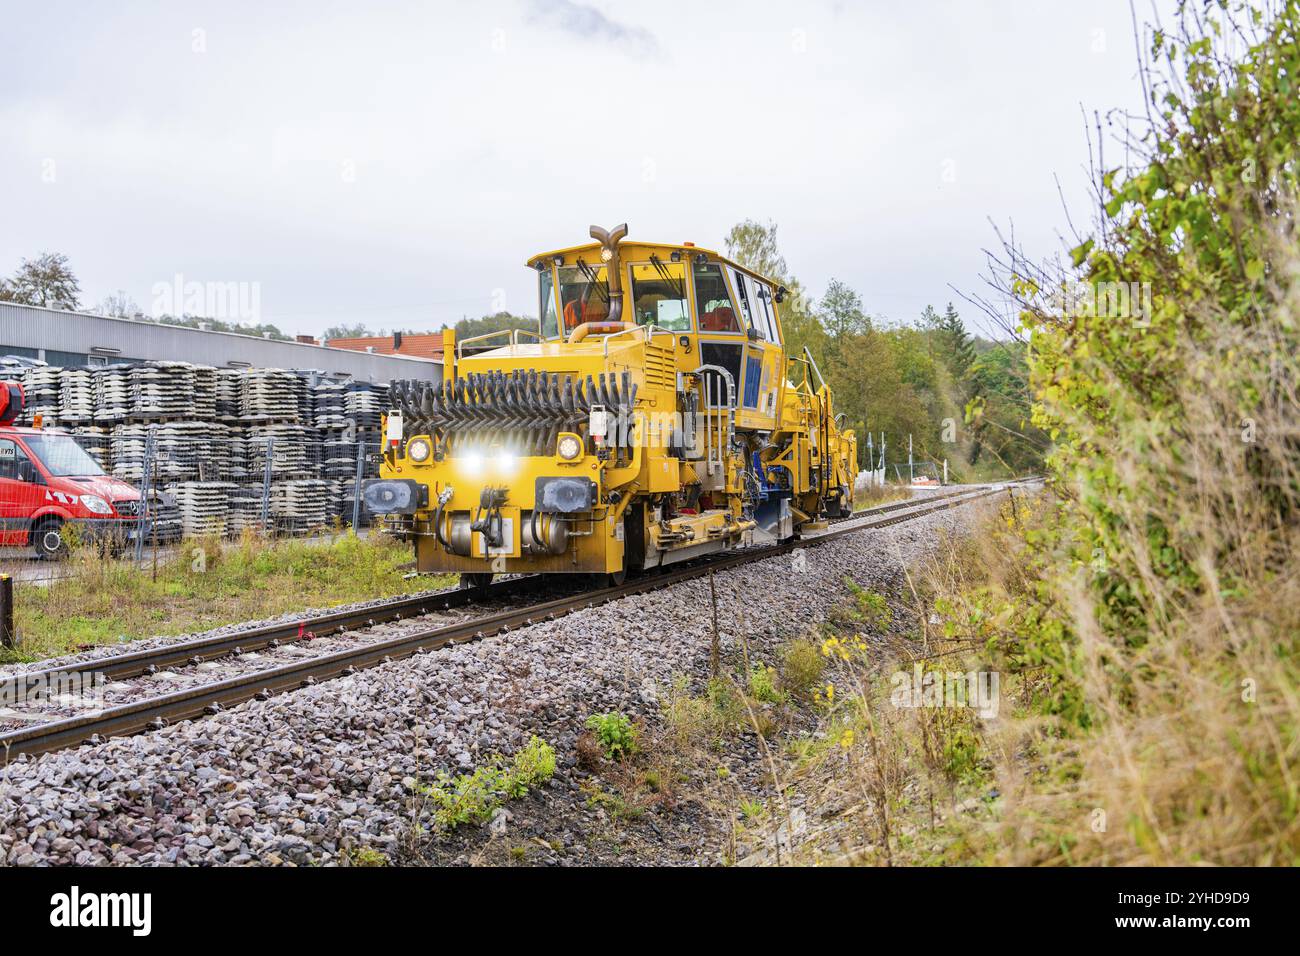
[(474, 797), (615, 732)]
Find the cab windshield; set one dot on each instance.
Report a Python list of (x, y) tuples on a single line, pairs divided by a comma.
[(584, 295), (62, 456), (659, 295)]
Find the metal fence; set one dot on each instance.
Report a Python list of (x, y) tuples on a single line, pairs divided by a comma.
[(273, 479)]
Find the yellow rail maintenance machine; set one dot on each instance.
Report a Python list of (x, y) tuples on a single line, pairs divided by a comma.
[(654, 417)]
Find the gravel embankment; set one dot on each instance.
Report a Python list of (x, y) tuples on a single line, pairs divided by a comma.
[(299, 777)]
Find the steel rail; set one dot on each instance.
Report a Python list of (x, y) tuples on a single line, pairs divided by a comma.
[(157, 712), (138, 663), (150, 660)]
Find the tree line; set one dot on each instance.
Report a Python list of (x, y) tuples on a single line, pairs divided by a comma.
[(962, 398)]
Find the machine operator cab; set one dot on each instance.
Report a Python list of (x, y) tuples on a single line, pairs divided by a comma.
[(721, 314)]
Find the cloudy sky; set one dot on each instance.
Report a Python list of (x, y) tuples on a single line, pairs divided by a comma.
[(395, 163)]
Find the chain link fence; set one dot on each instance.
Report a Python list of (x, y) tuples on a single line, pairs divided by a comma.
[(220, 452), (275, 480)]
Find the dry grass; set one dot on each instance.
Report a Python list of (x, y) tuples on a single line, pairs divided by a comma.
[(1178, 741), (1191, 690), (103, 601), (879, 495), (1159, 722)]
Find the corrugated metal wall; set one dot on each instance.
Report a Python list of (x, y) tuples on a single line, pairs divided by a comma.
[(69, 338)]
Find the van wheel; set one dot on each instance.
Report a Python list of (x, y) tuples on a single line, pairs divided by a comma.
[(47, 540)]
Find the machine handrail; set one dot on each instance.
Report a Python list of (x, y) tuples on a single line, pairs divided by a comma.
[(513, 333), (628, 331)]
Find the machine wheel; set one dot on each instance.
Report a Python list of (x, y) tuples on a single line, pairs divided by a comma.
[(470, 579), (47, 540), (839, 506), (616, 578)]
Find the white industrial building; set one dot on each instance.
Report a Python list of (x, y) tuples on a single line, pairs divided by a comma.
[(76, 338)]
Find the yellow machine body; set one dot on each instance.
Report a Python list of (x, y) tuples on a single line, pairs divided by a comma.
[(654, 416)]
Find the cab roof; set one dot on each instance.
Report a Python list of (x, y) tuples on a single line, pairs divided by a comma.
[(629, 245)]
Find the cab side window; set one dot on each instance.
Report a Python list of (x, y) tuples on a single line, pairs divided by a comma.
[(712, 300), (763, 315), (14, 463), (550, 319), (745, 310)]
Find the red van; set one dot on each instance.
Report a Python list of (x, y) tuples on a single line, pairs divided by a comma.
[(48, 483)]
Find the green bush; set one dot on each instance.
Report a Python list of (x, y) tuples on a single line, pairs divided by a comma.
[(615, 732), (533, 765)]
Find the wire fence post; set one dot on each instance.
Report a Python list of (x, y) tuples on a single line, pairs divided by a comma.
[(266, 487), (146, 480), (7, 636), (715, 645), (356, 489)]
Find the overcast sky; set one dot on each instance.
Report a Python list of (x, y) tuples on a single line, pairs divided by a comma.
[(396, 163)]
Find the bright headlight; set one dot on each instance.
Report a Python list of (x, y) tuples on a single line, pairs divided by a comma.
[(96, 505), (418, 450), (569, 447), (472, 463), (505, 461)]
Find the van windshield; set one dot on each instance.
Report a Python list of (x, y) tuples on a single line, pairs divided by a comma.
[(62, 456)]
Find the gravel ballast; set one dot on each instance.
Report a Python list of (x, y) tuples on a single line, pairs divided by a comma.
[(302, 777)]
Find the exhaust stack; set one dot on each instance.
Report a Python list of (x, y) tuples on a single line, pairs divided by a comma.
[(609, 240)]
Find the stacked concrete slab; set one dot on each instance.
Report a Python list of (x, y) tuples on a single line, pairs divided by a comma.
[(212, 431)]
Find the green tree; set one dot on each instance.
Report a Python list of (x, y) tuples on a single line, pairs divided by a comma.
[(999, 410), (958, 347), (1161, 585), (754, 246), (46, 281), (467, 327), (356, 331), (841, 316), (870, 389), (957, 351), (905, 380)]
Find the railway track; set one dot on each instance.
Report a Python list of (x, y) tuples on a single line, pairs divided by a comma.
[(201, 698)]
